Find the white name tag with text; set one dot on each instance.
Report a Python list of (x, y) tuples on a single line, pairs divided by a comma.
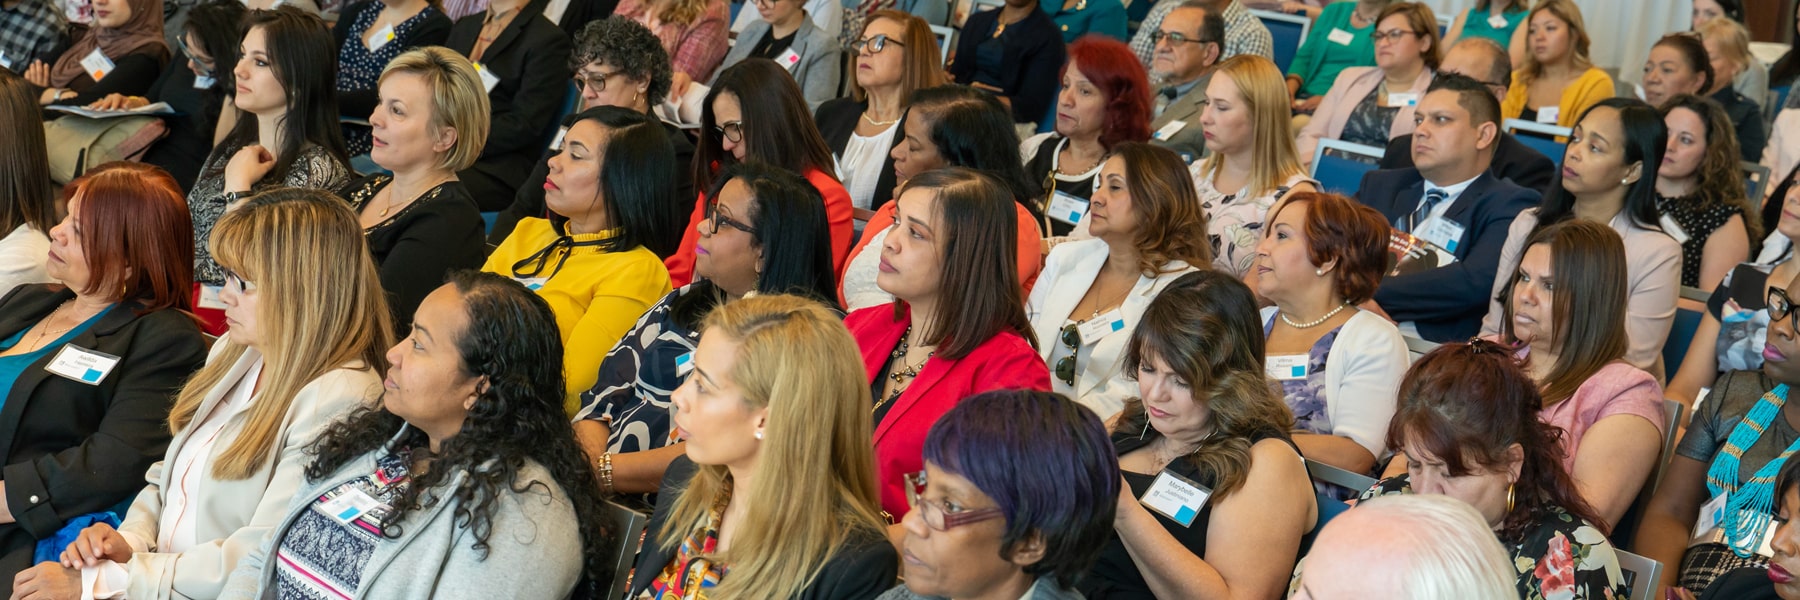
[(1169, 131), (488, 78), (1547, 115), (1402, 99), (788, 60), (1497, 22), (202, 82), (349, 505), (82, 364), (1067, 208), (381, 37), (532, 283), (1443, 233), (1176, 497), (97, 64), (1101, 326), (1669, 226), (1340, 37), (1286, 367)]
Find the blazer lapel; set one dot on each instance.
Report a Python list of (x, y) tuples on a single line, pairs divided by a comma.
[(1085, 268), (25, 387), (930, 375), (1465, 202), (507, 36), (1107, 350)]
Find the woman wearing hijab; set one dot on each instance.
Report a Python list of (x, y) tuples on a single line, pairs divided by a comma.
[(123, 52)]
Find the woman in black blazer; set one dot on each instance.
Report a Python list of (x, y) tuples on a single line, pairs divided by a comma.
[(896, 56), (88, 371), (525, 67), (1016, 52)]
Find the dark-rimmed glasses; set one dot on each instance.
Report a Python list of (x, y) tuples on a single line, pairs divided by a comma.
[(1395, 34), (874, 44), (598, 82), (732, 130), (717, 219), (1175, 37), (940, 515), (1781, 307), (201, 64)]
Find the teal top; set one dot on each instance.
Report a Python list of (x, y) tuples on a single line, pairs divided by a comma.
[(11, 367), (1104, 17), (1319, 59), (1477, 25)]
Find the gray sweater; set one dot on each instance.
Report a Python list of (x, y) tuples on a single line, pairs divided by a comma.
[(533, 550)]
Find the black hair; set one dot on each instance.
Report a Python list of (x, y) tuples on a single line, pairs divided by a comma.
[(1471, 95), (303, 56), (793, 232), (1646, 137), (637, 179), (778, 128), (219, 25), (513, 343), (1693, 52), (628, 46), (970, 128)]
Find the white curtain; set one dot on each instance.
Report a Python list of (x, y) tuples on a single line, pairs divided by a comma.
[(1622, 30)]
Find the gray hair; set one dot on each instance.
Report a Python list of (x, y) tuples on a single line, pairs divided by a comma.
[(1435, 547)]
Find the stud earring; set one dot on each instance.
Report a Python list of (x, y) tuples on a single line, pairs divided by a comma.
[(1319, 272), (759, 435)]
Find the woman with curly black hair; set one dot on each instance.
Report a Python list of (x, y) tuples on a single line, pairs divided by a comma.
[(465, 480)]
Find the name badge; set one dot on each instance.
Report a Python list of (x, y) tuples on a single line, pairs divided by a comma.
[(1169, 131), (1067, 208), (1497, 21), (1443, 233), (556, 142), (684, 364), (202, 82), (97, 64), (381, 37), (1674, 229), (5, 61), (488, 78), (1176, 497), (1101, 326), (1403, 99), (82, 364), (349, 505), (209, 297), (1710, 514), (1286, 367), (532, 283), (1340, 37), (1548, 114), (788, 59)]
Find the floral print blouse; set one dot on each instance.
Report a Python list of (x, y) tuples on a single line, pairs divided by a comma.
[(1234, 222), (1563, 558)]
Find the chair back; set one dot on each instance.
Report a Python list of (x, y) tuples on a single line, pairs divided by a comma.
[(1286, 31), (1339, 166), (1418, 347), (1542, 137), (946, 39), (1756, 181), (1641, 574), (630, 525)]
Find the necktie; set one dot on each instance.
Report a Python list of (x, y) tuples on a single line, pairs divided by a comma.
[(1433, 197)]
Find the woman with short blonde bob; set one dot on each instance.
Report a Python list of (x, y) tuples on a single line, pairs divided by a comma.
[(778, 465), (431, 121), (298, 356)]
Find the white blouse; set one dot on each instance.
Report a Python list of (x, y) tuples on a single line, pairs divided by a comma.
[(860, 166), (858, 282), (22, 256)]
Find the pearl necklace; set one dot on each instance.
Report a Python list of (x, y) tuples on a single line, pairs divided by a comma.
[(1312, 324)]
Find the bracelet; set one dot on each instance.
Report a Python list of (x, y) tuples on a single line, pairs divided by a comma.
[(606, 473), (233, 197)]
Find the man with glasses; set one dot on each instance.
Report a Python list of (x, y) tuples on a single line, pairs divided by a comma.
[(1487, 63), (1188, 44), (1244, 34)]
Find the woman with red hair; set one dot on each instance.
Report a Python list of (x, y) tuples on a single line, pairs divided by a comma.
[(1105, 100)]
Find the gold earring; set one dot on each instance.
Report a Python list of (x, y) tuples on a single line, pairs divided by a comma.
[(1509, 498)]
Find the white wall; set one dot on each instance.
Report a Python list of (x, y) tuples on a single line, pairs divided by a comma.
[(1622, 30)]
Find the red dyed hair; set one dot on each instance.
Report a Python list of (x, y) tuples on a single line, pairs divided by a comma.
[(1344, 230), (1114, 68), (137, 234)]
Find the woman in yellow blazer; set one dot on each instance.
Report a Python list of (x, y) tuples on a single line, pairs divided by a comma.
[(1557, 81), (298, 356)]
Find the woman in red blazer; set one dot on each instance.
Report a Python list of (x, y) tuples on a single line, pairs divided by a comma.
[(958, 327), (755, 112)]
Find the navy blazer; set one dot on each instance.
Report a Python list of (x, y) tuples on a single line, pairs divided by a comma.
[(69, 448), (1512, 160), (1033, 56), (1447, 303)]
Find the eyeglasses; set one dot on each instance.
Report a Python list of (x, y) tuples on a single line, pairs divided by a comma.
[(874, 44), (201, 64), (1781, 307), (732, 130), (717, 219), (1157, 37), (1394, 34), (584, 81), (232, 279), (1065, 367), (941, 515)]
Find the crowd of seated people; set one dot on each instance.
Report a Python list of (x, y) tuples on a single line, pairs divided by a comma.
[(1067, 310)]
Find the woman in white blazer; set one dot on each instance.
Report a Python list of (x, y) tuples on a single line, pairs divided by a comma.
[(786, 36), (1371, 105), (1148, 229), (1338, 367), (298, 356)]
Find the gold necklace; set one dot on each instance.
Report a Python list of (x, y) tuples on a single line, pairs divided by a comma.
[(390, 199), (876, 123), (46, 325), (905, 375)]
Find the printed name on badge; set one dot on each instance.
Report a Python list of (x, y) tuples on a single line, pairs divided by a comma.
[(1176, 497), (82, 364)]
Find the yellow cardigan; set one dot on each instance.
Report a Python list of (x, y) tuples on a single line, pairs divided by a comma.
[(1592, 87), (597, 296)]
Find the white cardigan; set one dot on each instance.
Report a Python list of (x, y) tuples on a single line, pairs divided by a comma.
[(1101, 384), (1362, 378)]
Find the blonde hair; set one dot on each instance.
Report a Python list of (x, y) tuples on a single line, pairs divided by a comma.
[(1570, 14), (921, 67), (815, 483), (1275, 159), (282, 241), (1730, 38), (458, 100), (680, 12)]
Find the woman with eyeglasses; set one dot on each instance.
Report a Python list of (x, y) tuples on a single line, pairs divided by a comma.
[(787, 36), (1104, 101), (1210, 429), (1148, 230), (897, 56), (1371, 105), (957, 326), (1339, 38), (199, 91), (764, 233), (595, 258), (775, 496), (370, 34), (755, 112), (989, 520)]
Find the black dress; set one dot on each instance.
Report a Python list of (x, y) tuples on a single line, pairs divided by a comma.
[(1699, 222), (190, 136), (416, 247)]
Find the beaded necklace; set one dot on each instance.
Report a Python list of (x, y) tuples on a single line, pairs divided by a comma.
[(1751, 505)]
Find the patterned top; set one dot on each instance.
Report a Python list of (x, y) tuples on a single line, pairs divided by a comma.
[(323, 554), (1370, 122), (1563, 557), (694, 48), (1244, 33), (314, 168), (1234, 222), (1741, 307), (639, 375), (1306, 396), (29, 31), (692, 572), (1698, 222), (359, 68)]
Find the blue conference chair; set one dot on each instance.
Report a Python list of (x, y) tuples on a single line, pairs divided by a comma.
[(1548, 139), (1339, 166), (1287, 31)]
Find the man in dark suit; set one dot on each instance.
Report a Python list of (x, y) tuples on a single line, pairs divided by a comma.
[(1453, 203), (1187, 47), (1485, 62)]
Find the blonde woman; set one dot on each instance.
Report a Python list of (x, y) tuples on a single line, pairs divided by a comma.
[(1728, 47), (778, 464), (1253, 162), (298, 356), (1556, 81)]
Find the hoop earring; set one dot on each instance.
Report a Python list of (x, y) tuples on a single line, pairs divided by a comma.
[(1509, 497)]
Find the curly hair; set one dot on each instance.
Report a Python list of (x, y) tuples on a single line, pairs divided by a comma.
[(511, 342), (628, 46), (1719, 181)]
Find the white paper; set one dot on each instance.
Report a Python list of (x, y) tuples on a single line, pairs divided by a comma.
[(1169, 131), (160, 108)]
